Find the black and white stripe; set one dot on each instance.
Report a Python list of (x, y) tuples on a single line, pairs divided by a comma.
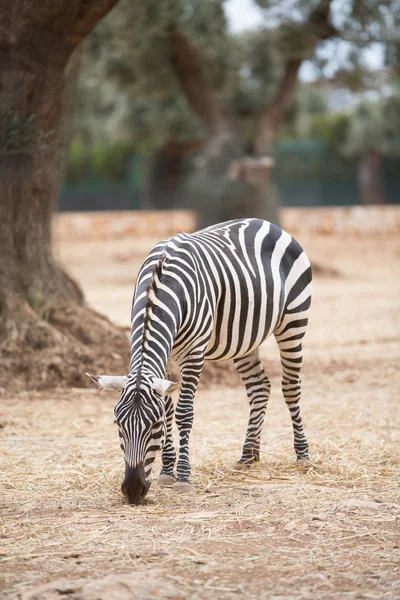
[(214, 295)]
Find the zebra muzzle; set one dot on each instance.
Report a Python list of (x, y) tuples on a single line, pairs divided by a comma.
[(135, 487)]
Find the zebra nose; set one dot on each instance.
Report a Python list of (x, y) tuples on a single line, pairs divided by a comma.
[(135, 487)]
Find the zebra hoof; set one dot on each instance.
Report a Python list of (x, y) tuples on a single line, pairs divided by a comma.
[(164, 480), (304, 463), (183, 487), (242, 466)]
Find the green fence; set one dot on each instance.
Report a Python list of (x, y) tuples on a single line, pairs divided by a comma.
[(307, 173)]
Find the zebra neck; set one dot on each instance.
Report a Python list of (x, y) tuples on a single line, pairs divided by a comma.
[(151, 362), (151, 348)]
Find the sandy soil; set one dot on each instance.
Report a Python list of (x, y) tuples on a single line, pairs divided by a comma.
[(274, 532)]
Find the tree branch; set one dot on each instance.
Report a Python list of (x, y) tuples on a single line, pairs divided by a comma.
[(320, 29), (57, 26), (90, 13), (187, 64)]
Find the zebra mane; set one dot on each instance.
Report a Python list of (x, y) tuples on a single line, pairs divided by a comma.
[(151, 295)]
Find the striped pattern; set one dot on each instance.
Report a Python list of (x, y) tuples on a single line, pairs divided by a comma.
[(140, 416), (214, 295)]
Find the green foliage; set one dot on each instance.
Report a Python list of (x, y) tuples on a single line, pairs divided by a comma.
[(128, 88), (390, 110), (100, 162), (152, 123), (258, 72), (392, 56), (368, 21), (371, 125), (332, 129), (130, 46), (129, 96), (76, 163)]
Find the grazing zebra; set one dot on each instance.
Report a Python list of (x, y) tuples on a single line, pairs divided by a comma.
[(215, 294)]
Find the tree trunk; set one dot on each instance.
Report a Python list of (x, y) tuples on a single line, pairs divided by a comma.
[(255, 173), (257, 170), (221, 187), (227, 185), (31, 87), (43, 320), (369, 178), (166, 174)]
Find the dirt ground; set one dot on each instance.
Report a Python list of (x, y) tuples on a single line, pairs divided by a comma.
[(275, 532)]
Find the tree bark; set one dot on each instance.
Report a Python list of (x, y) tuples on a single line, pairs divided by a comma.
[(273, 115), (369, 178), (166, 174), (36, 41), (31, 87), (188, 67)]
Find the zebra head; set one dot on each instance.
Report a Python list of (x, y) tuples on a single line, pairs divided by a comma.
[(140, 416)]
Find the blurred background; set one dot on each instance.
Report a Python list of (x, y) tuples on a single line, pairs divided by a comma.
[(235, 107)]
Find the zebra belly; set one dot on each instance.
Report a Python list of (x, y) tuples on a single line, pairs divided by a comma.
[(234, 342)]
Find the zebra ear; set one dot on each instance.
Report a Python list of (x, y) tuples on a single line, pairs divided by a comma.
[(108, 381), (164, 387)]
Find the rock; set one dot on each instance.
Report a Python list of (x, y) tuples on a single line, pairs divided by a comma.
[(140, 585)]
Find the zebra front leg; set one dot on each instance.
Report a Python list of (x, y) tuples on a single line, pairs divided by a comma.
[(291, 352), (167, 477), (258, 388), (191, 371)]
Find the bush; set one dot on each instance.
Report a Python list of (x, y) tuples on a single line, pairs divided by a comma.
[(101, 162)]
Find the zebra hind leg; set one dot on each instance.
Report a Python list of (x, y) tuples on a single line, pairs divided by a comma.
[(258, 388), (291, 351), (167, 477)]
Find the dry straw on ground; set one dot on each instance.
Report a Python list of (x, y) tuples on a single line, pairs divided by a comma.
[(275, 529)]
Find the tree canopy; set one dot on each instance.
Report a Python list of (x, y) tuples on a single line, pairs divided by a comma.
[(129, 81), (178, 75)]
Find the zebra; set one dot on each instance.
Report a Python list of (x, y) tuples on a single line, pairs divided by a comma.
[(215, 294)]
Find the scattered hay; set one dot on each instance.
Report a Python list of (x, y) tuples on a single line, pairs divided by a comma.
[(64, 515)]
